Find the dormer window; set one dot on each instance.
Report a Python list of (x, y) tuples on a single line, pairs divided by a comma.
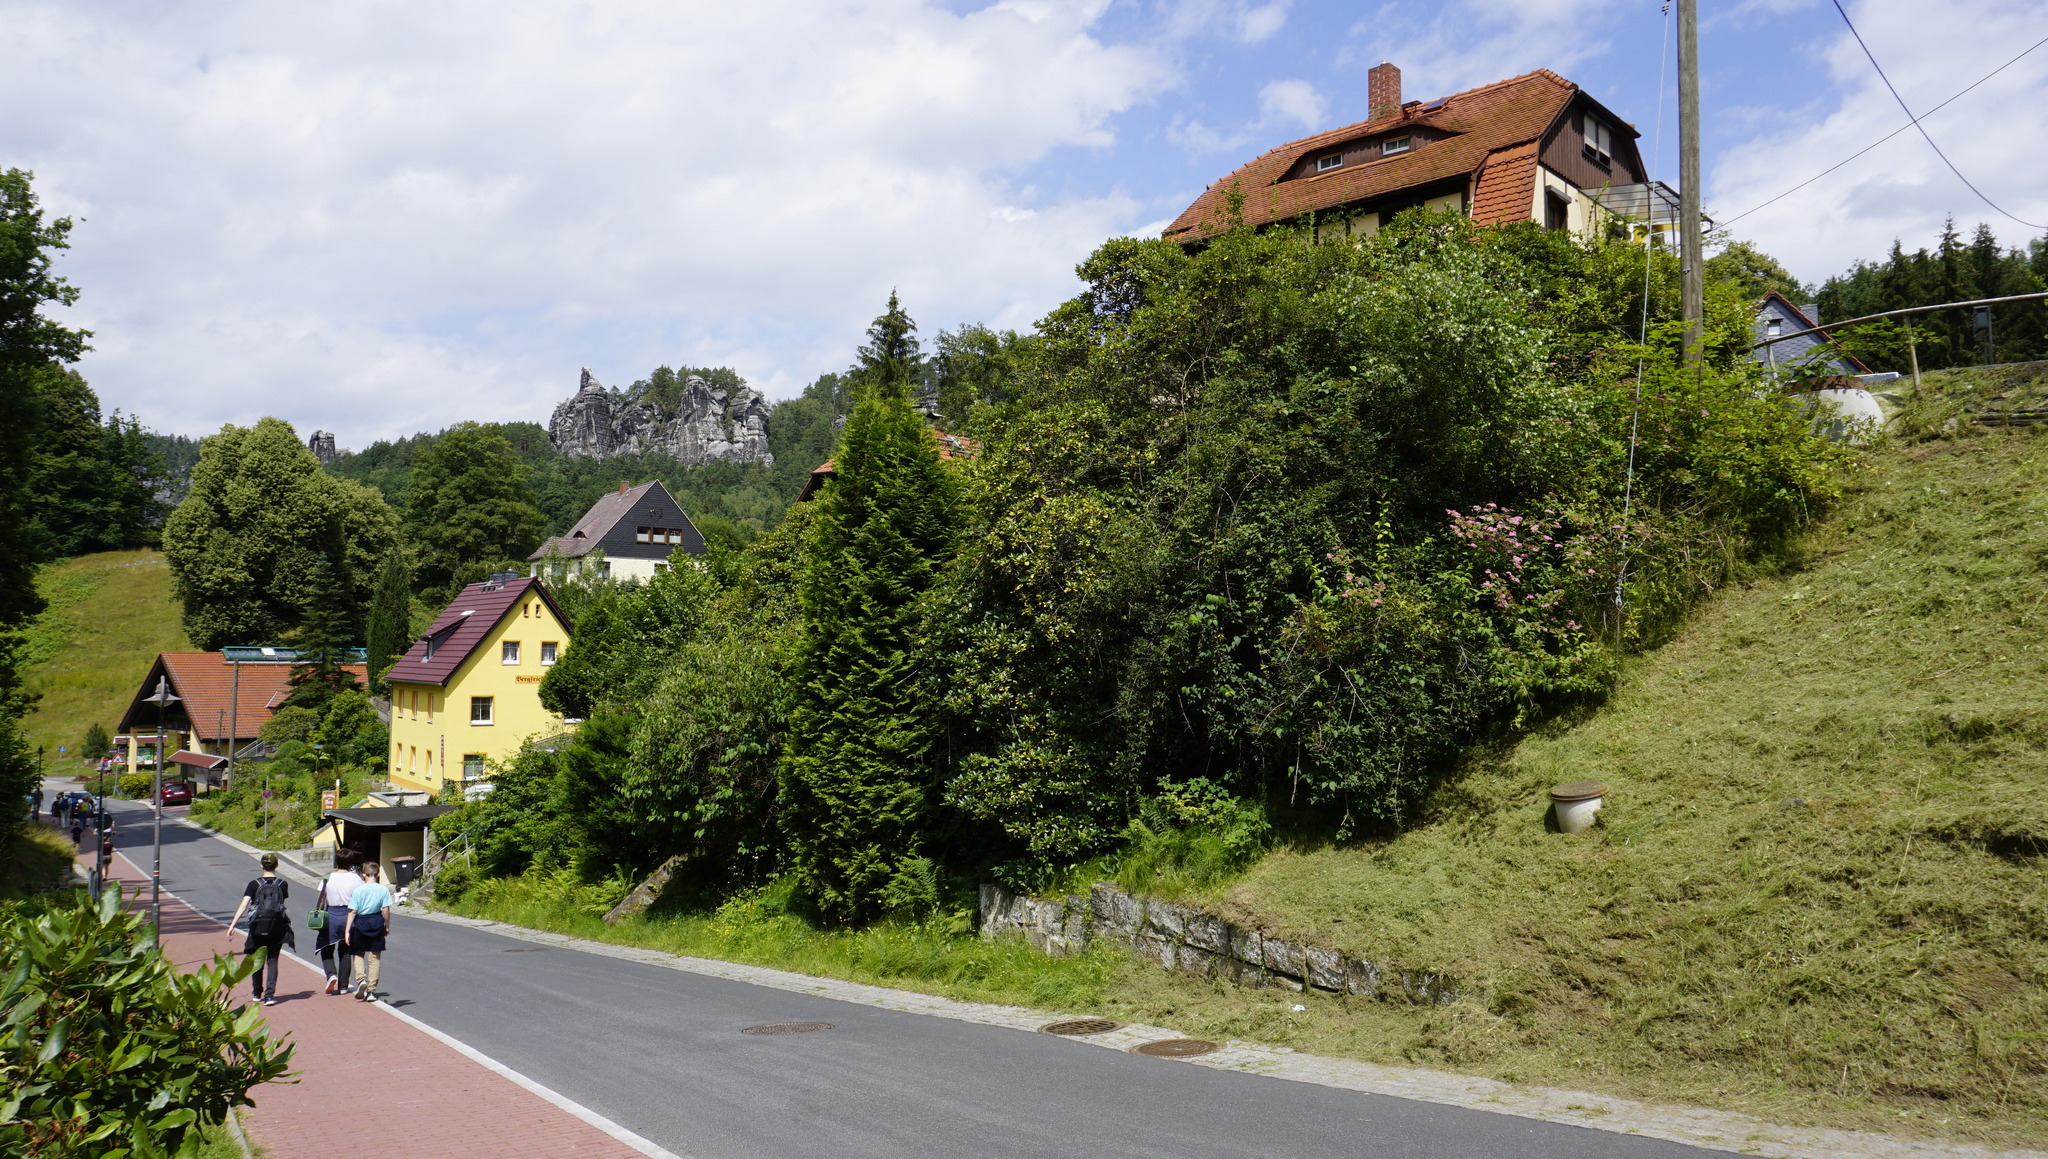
[(1599, 141), (1333, 161), (1393, 145)]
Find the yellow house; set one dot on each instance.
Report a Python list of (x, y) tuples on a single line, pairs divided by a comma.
[(468, 691)]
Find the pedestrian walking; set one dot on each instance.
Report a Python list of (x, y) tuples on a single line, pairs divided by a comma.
[(369, 923), (335, 891), (36, 814), (77, 833), (270, 926), (107, 851)]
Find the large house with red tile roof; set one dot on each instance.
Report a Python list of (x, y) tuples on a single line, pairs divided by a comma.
[(221, 703), (467, 693), (1532, 148)]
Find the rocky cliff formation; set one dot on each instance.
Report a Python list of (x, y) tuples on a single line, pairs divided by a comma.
[(706, 425), (322, 445)]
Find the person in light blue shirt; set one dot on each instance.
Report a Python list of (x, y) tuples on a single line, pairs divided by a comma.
[(369, 923)]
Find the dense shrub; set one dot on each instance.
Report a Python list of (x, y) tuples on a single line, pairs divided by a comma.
[(105, 1049)]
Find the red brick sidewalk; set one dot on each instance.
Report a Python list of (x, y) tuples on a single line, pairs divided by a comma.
[(369, 1083)]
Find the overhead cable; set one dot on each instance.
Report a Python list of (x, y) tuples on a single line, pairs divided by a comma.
[(1923, 129), (1888, 136)]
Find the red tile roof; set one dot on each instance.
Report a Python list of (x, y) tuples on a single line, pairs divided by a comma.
[(1506, 188), (1501, 116), (596, 522), (462, 626), (950, 447), (209, 689)]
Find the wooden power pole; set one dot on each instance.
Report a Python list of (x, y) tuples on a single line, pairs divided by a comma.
[(1692, 282)]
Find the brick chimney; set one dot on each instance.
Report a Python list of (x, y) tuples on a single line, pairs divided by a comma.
[(1383, 92)]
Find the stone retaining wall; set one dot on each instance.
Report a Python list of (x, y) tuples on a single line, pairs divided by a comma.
[(1182, 938)]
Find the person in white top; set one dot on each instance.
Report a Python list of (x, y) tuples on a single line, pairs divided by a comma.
[(335, 960)]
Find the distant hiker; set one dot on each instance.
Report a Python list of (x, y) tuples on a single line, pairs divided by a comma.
[(270, 926), (107, 851), (36, 814), (77, 833), (369, 923), (335, 960)]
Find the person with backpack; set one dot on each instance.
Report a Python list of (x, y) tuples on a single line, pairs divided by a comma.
[(369, 922), (270, 926), (335, 960)]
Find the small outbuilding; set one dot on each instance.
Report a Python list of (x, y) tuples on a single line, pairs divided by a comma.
[(394, 837)]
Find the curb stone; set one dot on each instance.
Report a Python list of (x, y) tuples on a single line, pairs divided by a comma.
[(1694, 1126)]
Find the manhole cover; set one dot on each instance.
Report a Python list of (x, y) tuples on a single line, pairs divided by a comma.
[(1080, 1026), (1174, 1048), (788, 1028), (527, 950)]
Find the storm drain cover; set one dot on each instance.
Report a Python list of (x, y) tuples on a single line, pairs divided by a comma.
[(526, 950), (1080, 1026), (787, 1028), (1174, 1048)]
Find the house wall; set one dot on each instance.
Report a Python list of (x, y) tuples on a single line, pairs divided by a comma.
[(1363, 223), (430, 735), (1581, 215), (1564, 153)]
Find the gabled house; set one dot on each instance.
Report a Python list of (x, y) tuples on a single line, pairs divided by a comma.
[(1776, 316), (627, 534), (1532, 148), (468, 691), (224, 699)]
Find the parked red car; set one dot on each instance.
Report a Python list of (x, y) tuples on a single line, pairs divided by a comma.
[(176, 793)]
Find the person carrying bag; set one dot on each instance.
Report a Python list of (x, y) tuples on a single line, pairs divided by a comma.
[(335, 960), (369, 923), (270, 926)]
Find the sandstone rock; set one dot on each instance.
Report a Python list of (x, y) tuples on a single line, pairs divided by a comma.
[(1325, 968), (648, 891), (1361, 977), (322, 445), (1208, 932), (1283, 957), (1166, 919), (1247, 946), (708, 424)]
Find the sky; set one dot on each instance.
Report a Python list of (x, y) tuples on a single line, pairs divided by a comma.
[(390, 216)]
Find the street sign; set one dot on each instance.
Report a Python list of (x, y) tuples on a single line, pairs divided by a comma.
[(266, 794), (329, 799)]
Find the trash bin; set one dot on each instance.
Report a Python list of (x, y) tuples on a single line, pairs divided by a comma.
[(402, 870)]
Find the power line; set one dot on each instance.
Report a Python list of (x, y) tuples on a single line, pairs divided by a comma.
[(1923, 129), (1888, 136)]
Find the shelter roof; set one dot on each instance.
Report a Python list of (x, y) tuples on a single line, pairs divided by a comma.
[(401, 817), (198, 760), (461, 627)]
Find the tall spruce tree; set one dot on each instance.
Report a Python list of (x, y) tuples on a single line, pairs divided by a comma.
[(389, 625), (326, 638), (856, 779)]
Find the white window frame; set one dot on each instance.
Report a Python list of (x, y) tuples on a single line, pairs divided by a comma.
[(1333, 161), (1396, 145), (508, 652), (643, 535), (1599, 140), (484, 704), (550, 651)]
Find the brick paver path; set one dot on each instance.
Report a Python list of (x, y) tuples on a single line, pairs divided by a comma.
[(368, 1083)]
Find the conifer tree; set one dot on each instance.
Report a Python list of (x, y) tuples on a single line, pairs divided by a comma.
[(855, 780), (326, 637), (390, 620)]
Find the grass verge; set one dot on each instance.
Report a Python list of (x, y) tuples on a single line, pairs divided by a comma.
[(936, 957), (109, 615)]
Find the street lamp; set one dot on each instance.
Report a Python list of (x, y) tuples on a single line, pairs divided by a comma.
[(163, 699)]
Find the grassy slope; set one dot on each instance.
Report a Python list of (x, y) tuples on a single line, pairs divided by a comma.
[(1818, 891), (109, 615)]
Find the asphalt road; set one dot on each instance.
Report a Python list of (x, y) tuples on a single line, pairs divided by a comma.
[(659, 1052)]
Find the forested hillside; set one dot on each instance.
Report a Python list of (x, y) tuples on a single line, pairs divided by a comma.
[(1954, 270)]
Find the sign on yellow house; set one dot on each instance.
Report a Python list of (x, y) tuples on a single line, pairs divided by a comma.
[(467, 693)]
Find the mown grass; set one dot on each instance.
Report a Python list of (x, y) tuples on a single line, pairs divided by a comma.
[(37, 856), (1818, 890), (109, 615), (941, 956)]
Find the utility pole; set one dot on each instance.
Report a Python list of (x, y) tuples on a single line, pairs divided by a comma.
[(163, 700), (1692, 283)]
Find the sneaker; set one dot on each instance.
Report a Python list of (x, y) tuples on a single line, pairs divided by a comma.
[(270, 1001), (333, 983)]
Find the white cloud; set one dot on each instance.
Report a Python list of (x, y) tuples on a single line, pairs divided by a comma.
[(1258, 24), (1246, 23), (1900, 189), (1465, 43), (1292, 100), (383, 217)]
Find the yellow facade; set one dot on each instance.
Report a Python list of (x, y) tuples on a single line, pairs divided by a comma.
[(440, 733)]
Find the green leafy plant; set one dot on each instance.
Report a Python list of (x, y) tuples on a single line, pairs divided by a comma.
[(106, 1051)]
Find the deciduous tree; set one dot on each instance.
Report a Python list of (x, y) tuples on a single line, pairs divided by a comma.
[(468, 503)]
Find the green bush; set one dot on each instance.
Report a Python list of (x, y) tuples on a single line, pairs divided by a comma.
[(105, 1049), (137, 786)]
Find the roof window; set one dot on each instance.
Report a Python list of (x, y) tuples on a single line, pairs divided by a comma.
[(1393, 145), (1333, 161), (1599, 141)]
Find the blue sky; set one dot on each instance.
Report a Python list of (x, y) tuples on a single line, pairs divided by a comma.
[(390, 216)]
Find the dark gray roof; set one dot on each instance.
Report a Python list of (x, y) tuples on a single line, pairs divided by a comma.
[(399, 818)]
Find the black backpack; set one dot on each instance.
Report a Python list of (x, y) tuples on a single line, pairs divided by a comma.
[(269, 917)]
